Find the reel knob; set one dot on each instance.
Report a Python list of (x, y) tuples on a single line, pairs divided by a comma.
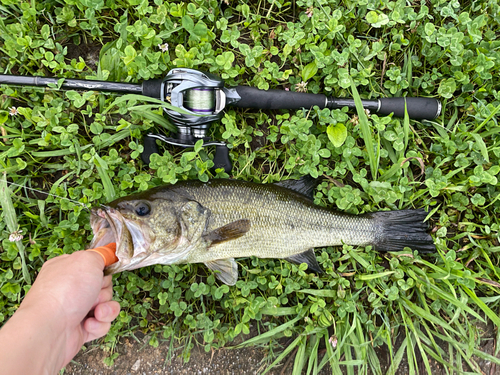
[(150, 148), (221, 159)]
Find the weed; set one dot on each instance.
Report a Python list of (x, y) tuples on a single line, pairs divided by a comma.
[(84, 149)]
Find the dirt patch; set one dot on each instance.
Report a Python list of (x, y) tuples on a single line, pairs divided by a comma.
[(89, 52), (137, 357), (140, 358)]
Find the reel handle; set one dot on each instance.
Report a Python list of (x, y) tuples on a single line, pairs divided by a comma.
[(221, 159), (150, 148)]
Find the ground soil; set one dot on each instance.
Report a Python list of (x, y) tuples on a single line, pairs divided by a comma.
[(89, 52), (139, 358)]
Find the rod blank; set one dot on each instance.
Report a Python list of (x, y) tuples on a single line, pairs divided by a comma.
[(73, 84)]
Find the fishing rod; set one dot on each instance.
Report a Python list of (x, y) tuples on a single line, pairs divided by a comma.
[(202, 98)]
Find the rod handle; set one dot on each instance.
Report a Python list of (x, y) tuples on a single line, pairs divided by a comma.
[(152, 88), (418, 108), (252, 97)]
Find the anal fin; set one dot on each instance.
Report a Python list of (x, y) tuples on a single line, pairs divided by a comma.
[(308, 257), (228, 270), (228, 232)]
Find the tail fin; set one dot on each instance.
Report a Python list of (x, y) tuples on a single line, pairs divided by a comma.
[(405, 228)]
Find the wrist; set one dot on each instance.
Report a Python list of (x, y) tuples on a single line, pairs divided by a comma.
[(34, 332)]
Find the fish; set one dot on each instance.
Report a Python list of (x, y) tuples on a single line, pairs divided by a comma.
[(217, 221)]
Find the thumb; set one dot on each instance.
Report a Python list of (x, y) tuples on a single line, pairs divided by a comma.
[(107, 252)]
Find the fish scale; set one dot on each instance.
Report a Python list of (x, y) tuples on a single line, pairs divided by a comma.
[(217, 221), (272, 213)]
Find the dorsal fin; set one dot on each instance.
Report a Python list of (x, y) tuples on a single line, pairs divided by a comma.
[(304, 185), (228, 232)]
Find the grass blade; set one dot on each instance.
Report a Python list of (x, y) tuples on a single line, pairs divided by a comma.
[(160, 120), (283, 354), (374, 275), (446, 296), (366, 133), (269, 334), (486, 120), (373, 361), (406, 131), (396, 360), (494, 317), (279, 311), (102, 168), (398, 165), (329, 357), (300, 357), (143, 98), (418, 311), (320, 293), (482, 146), (10, 217), (313, 355)]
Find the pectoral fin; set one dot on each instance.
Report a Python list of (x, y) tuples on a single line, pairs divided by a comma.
[(228, 232), (228, 270), (306, 257)]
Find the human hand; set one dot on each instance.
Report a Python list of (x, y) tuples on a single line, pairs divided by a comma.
[(73, 289), (69, 304)]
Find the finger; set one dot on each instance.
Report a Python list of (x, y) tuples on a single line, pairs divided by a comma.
[(105, 295), (89, 258), (107, 281), (95, 328), (107, 312)]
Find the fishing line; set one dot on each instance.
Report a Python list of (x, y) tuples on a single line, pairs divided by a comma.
[(44, 192), (200, 100)]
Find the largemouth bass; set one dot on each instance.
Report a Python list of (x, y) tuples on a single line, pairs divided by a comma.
[(217, 221)]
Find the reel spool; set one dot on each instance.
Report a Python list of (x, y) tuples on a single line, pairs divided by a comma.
[(200, 100)]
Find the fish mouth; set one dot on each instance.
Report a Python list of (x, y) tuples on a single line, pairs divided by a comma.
[(108, 226)]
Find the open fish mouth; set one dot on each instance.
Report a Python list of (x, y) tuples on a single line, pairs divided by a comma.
[(109, 225)]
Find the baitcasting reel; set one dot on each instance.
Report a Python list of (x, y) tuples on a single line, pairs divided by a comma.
[(202, 96)]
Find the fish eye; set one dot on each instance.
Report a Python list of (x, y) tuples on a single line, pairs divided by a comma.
[(142, 209)]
